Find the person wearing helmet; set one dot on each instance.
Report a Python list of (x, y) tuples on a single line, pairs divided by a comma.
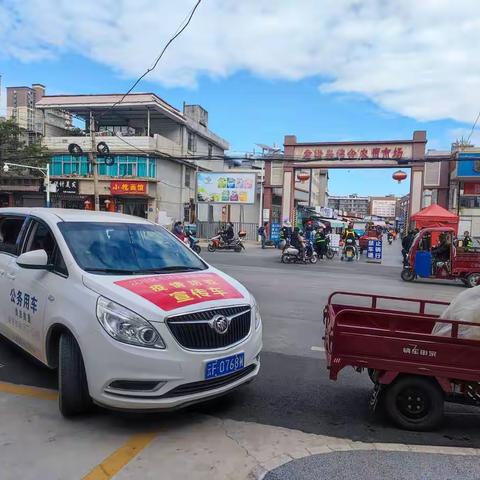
[(350, 237), (297, 241)]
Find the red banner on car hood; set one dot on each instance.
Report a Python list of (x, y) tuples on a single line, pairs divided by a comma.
[(178, 290)]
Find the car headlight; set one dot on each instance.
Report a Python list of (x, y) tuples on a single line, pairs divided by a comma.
[(256, 311), (126, 326)]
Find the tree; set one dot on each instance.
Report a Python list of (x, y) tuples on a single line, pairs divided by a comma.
[(13, 147)]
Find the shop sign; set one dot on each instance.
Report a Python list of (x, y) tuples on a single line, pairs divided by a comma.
[(64, 186), (128, 187), (471, 188), (468, 164)]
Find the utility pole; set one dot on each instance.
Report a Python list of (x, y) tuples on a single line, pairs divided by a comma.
[(92, 158)]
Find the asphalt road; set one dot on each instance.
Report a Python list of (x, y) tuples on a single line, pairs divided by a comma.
[(293, 389)]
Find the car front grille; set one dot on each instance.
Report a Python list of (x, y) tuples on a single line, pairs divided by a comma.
[(206, 385), (193, 330)]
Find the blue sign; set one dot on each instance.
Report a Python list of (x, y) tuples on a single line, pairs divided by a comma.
[(468, 165), (275, 232), (374, 250)]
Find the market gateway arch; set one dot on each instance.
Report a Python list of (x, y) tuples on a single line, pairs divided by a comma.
[(280, 172)]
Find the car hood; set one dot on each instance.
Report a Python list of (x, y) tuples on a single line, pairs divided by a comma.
[(158, 296)]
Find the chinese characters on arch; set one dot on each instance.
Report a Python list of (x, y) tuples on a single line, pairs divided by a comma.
[(355, 152)]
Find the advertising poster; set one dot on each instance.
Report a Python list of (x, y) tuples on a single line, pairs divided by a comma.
[(226, 187)]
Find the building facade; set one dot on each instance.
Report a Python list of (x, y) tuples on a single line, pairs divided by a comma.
[(384, 207), (465, 189), (353, 205), (154, 151), (22, 108)]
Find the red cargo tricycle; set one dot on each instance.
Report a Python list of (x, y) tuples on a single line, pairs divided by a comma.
[(456, 262), (414, 372)]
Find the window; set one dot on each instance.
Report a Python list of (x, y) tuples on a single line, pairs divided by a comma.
[(187, 177), (191, 142), (41, 238), (10, 228), (210, 150), (469, 202)]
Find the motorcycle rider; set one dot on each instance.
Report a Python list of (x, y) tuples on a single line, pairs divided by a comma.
[(228, 233), (285, 234), (350, 237), (321, 243), (178, 230), (297, 241)]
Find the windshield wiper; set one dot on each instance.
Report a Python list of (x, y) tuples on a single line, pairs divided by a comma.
[(113, 271), (172, 268)]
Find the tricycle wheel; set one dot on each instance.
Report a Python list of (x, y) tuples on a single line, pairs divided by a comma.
[(371, 374), (415, 403), (473, 280), (407, 275)]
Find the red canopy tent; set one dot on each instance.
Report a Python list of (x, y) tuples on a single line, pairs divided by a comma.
[(435, 216)]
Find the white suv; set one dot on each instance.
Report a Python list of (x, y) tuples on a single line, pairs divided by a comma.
[(132, 318)]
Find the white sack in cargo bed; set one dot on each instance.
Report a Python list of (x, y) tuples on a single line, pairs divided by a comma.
[(464, 307)]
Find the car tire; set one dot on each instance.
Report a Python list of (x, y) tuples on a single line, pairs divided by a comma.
[(415, 403), (73, 396), (407, 275), (473, 280)]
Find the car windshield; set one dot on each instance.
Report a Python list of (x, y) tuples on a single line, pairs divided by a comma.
[(127, 248)]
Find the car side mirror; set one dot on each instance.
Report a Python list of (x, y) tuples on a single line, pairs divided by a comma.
[(34, 260)]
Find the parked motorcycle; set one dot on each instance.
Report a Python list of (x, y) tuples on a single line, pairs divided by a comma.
[(292, 254), (349, 251), (220, 243)]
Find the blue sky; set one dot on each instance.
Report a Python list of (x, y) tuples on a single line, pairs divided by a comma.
[(258, 86)]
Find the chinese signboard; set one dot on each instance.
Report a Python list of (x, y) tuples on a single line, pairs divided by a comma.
[(471, 188), (393, 152), (468, 164), (64, 186), (374, 250), (226, 187), (174, 291), (128, 187), (275, 232)]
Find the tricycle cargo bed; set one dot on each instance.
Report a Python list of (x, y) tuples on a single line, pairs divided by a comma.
[(393, 342)]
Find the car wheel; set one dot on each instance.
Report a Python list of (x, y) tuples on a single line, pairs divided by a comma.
[(73, 394), (407, 275), (473, 280), (415, 403)]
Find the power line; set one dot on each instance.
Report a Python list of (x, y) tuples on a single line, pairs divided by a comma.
[(473, 128), (172, 39)]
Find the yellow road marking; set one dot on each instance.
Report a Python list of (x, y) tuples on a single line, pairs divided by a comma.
[(120, 457), (36, 392)]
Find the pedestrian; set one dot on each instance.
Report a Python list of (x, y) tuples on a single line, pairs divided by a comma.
[(262, 232)]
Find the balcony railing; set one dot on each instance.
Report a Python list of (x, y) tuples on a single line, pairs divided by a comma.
[(117, 144)]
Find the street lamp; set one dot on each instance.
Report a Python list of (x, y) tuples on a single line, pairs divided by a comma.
[(45, 172)]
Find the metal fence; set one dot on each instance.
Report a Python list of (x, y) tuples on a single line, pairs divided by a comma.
[(210, 229)]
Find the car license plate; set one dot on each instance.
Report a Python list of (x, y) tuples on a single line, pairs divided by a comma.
[(224, 366)]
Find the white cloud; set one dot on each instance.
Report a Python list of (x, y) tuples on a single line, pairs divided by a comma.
[(414, 58)]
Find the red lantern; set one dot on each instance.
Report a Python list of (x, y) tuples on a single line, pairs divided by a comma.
[(303, 177), (399, 176)]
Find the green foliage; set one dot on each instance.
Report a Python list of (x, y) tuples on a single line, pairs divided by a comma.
[(14, 147)]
